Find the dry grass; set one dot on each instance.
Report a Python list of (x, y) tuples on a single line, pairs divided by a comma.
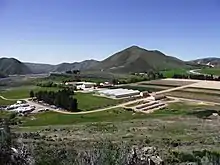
[(195, 95)]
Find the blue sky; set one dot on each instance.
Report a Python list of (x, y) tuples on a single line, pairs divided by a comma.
[(55, 31)]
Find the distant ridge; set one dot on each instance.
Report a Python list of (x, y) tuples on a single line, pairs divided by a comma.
[(131, 59), (45, 68), (210, 61)]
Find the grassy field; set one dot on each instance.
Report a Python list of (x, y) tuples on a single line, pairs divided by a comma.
[(213, 71), (53, 118), (116, 115), (170, 73), (87, 101), (23, 92), (6, 102)]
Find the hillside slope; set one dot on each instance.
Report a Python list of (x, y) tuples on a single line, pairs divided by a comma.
[(45, 68), (136, 59), (40, 68), (76, 65), (211, 61), (11, 66)]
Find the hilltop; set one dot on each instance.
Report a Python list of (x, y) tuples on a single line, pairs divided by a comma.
[(136, 59), (11, 66)]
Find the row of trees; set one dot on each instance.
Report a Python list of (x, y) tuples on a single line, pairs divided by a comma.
[(62, 98), (197, 77), (47, 84), (75, 73), (138, 77)]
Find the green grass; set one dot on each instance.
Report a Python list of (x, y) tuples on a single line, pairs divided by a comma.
[(5, 114), (23, 92), (6, 102), (53, 118), (87, 101), (213, 71), (170, 73), (116, 115)]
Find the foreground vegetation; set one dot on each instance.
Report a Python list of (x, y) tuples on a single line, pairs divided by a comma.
[(179, 134), (53, 118), (6, 102)]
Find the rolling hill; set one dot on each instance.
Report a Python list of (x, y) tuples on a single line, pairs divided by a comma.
[(45, 68), (11, 66), (136, 59), (84, 65)]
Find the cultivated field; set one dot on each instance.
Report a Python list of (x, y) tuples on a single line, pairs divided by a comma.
[(207, 85), (202, 90), (210, 97), (169, 82)]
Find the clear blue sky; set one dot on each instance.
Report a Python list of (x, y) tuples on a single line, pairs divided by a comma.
[(54, 31)]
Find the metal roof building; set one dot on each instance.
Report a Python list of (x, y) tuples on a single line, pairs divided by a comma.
[(119, 93)]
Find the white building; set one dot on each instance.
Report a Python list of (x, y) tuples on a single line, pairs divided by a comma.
[(85, 85), (119, 93)]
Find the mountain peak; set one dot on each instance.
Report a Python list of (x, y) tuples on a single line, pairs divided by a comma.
[(134, 47), (136, 59)]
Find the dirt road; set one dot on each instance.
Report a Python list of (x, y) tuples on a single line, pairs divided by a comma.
[(3, 98), (173, 89)]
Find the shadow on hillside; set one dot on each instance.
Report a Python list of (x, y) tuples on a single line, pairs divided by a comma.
[(203, 113)]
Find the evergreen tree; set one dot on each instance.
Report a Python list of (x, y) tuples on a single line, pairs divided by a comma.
[(31, 94)]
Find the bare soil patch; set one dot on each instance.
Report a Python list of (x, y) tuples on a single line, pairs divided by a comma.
[(195, 95), (207, 85), (168, 82)]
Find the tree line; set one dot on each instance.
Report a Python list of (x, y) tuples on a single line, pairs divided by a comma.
[(197, 77), (62, 98), (138, 77)]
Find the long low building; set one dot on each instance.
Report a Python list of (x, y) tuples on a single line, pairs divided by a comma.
[(119, 93)]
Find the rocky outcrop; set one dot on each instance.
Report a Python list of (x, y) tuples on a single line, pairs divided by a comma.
[(145, 156)]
